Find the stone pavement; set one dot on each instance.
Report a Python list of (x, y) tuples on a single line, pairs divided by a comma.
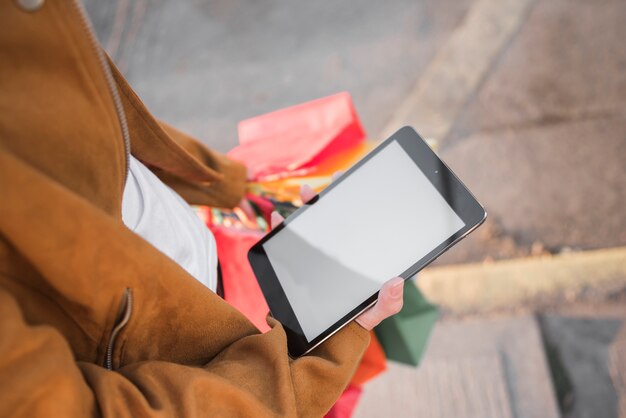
[(582, 365), (549, 323), (492, 368), (617, 369), (547, 128), (530, 93), (206, 65)]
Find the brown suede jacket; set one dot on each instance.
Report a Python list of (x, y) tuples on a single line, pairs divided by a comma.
[(94, 321)]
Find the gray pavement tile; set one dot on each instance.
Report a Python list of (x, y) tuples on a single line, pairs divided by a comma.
[(472, 368), (582, 346), (617, 368), (562, 185), (459, 67), (568, 63), (545, 134), (468, 387)]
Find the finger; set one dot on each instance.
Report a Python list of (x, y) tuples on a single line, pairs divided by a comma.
[(337, 174), (275, 219), (307, 193), (389, 303)]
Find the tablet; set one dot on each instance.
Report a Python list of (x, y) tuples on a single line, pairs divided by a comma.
[(391, 214)]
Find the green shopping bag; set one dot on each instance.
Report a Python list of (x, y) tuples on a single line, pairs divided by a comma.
[(404, 336)]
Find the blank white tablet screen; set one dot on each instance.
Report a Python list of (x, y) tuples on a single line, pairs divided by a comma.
[(372, 226)]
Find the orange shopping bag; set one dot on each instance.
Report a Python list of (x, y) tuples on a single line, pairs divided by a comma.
[(240, 286), (373, 363)]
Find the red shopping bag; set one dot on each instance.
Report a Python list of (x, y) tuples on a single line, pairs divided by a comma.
[(291, 141), (240, 286), (344, 407)]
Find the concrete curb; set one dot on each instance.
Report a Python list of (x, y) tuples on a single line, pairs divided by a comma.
[(510, 283)]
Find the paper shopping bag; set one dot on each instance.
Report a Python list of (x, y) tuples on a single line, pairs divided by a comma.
[(241, 288), (292, 141), (372, 364)]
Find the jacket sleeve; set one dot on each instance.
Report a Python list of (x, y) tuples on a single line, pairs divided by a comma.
[(229, 188), (251, 378)]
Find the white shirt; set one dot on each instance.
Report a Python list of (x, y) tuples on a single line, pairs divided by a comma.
[(158, 214)]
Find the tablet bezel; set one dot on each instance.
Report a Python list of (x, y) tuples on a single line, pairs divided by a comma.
[(440, 176)]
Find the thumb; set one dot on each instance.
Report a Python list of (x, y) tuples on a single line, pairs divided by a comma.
[(389, 303)]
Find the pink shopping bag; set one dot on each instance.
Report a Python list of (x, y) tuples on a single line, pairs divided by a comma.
[(291, 141)]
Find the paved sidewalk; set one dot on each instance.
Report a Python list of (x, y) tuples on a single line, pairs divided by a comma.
[(207, 65), (580, 300), (494, 368), (518, 338), (527, 97), (542, 140)]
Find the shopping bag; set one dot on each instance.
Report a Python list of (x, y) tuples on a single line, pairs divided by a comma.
[(372, 364), (345, 405), (404, 336), (241, 288), (292, 141)]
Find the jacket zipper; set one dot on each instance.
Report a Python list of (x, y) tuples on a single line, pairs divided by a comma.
[(125, 311), (126, 306), (119, 108)]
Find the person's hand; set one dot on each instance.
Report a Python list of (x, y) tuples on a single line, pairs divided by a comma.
[(390, 296)]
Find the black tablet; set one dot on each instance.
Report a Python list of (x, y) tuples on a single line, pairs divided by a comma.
[(389, 215)]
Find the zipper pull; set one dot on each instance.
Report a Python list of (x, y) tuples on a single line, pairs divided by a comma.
[(123, 316)]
